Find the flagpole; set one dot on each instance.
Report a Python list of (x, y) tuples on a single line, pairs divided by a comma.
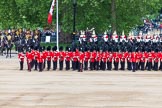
[(57, 35)]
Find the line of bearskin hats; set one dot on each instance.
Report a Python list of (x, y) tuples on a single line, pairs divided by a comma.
[(40, 49), (48, 48), (43, 48), (67, 48), (54, 48), (36, 48), (61, 48)]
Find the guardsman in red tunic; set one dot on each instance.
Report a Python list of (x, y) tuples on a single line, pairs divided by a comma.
[(109, 59), (149, 60), (32, 63), (116, 59), (29, 57), (139, 54), (21, 58), (75, 59), (98, 59), (67, 58), (134, 60), (54, 57), (122, 57), (92, 59), (160, 59), (153, 55), (36, 52), (61, 58), (81, 60), (40, 59), (142, 60), (104, 60), (86, 58), (48, 57), (156, 60), (129, 61), (44, 55)]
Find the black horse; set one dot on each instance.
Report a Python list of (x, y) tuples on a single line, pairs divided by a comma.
[(33, 43), (6, 45)]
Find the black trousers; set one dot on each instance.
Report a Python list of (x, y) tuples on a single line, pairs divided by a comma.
[(133, 66), (146, 65), (103, 66), (122, 63), (21, 65), (91, 65), (109, 65), (156, 66), (44, 64), (75, 65), (29, 66), (40, 67), (85, 65), (142, 65), (137, 65), (116, 65), (54, 65), (35, 63), (80, 68), (129, 65), (61, 65), (32, 64), (94, 65), (48, 65), (67, 65), (72, 64), (97, 65), (149, 66), (160, 68), (101, 63)]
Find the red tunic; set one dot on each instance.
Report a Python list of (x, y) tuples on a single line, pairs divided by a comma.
[(93, 56), (61, 56), (109, 57), (149, 57), (143, 57), (21, 56), (98, 56), (36, 54), (67, 56), (55, 55), (40, 58), (116, 56), (86, 56), (139, 55), (122, 56), (81, 57), (104, 57), (44, 55), (33, 53), (29, 56), (156, 57), (160, 56), (75, 56), (129, 57), (134, 57), (48, 55)]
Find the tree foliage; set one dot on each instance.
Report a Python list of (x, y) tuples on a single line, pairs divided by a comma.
[(100, 14)]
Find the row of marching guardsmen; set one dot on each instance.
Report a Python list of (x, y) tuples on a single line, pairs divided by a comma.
[(95, 59)]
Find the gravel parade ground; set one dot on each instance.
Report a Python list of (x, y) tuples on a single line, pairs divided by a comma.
[(71, 89)]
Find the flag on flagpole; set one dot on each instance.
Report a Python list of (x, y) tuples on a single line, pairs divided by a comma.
[(49, 20)]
